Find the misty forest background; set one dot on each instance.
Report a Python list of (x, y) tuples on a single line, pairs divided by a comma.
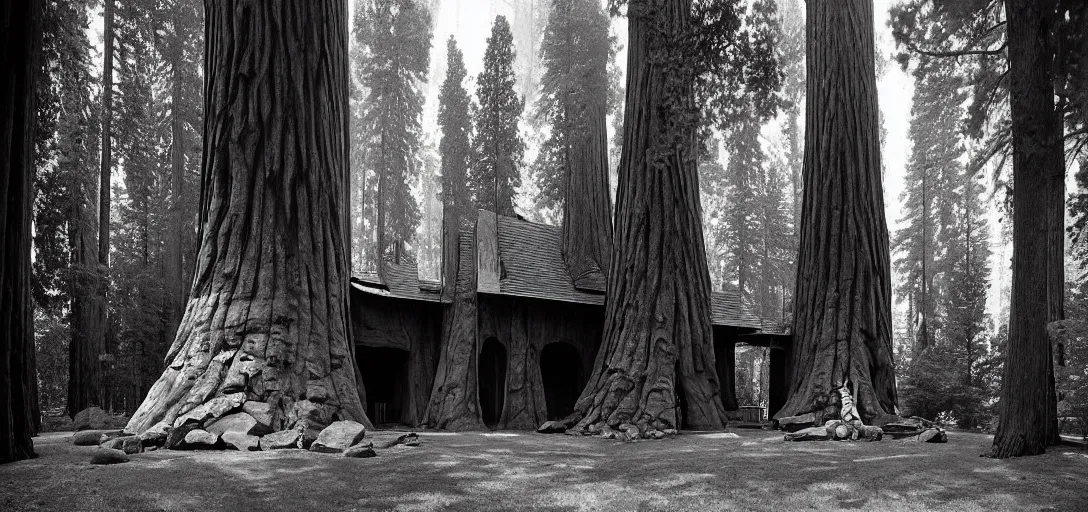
[(435, 84)]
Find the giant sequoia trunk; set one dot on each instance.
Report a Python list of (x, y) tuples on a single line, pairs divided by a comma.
[(657, 341), (454, 403), (587, 208), (1025, 425), (842, 305), (21, 36), (267, 318)]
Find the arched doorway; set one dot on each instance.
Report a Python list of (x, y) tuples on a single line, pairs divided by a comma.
[(491, 377), (562, 376), (385, 378)]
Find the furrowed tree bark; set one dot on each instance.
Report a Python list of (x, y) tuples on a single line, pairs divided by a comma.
[(842, 304), (454, 403), (657, 334), (20, 32), (587, 207), (267, 317), (1025, 426)]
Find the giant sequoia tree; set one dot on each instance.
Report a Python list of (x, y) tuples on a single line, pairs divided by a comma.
[(573, 162), (267, 316), (497, 145), (20, 33), (656, 364), (1027, 415), (842, 325)]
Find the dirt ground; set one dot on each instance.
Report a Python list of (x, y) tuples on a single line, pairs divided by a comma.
[(740, 470)]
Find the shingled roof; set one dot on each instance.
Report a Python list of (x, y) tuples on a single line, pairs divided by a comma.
[(531, 265), (401, 281)]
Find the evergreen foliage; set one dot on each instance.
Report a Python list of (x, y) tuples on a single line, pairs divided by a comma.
[(395, 37), (497, 145), (455, 149)]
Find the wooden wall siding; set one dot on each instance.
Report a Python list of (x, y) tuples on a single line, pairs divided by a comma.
[(412, 326), (525, 326)]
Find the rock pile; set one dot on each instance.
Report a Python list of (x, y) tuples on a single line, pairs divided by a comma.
[(232, 422)]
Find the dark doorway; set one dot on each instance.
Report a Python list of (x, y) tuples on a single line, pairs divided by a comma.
[(562, 376), (385, 377), (681, 399), (492, 380)]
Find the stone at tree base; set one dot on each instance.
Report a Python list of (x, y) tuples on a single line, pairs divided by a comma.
[(360, 451), (91, 418), (109, 456), (843, 431), (551, 427), (156, 435), (176, 436), (338, 437), (870, 433), (657, 434), (92, 437), (796, 423), (809, 434), (128, 444), (284, 439), (630, 431), (212, 409), (239, 422), (200, 438), (261, 412), (608, 433), (382, 440), (411, 439), (932, 435), (242, 442)]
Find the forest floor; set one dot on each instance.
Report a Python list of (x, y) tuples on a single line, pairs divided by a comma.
[(753, 470)]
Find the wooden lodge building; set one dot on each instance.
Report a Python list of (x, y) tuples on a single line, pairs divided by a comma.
[(536, 333)]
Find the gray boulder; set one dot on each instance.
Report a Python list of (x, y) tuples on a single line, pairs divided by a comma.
[(551, 427), (239, 422), (242, 442), (90, 418), (156, 435), (109, 456), (360, 451), (128, 444), (283, 439), (338, 437), (199, 438), (261, 412), (92, 437)]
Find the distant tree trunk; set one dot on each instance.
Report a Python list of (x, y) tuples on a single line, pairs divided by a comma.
[(842, 325), (1025, 425), (172, 260), (587, 207), (87, 308), (267, 317), (454, 402), (657, 341), (20, 32), (1055, 176)]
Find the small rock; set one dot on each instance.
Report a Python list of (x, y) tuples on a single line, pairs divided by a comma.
[(632, 433), (280, 440), (176, 437), (242, 442), (127, 444), (389, 440), (670, 431), (109, 456), (200, 438), (842, 431), (239, 422), (261, 411), (657, 434), (338, 437), (608, 433), (411, 439), (551, 427), (360, 451), (92, 437), (90, 418), (156, 435), (932, 435)]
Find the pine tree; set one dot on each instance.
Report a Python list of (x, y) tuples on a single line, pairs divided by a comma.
[(931, 182), (497, 145), (397, 40), (454, 106)]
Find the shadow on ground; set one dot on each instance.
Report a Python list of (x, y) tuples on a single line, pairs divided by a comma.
[(755, 470)]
